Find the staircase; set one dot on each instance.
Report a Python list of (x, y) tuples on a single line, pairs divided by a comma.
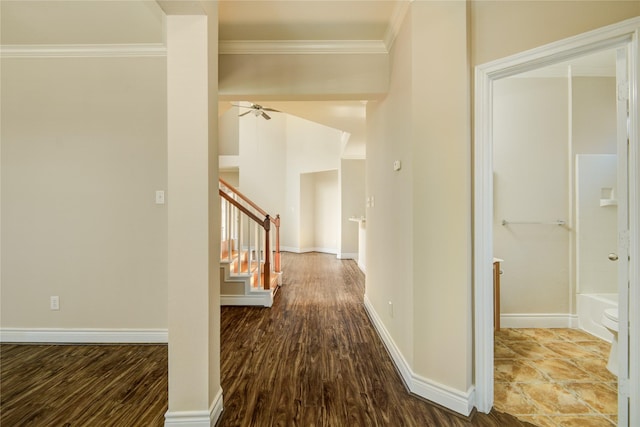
[(250, 241)]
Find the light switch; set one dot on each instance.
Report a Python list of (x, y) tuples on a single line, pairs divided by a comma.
[(160, 197)]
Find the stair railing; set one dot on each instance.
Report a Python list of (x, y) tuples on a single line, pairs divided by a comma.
[(246, 225)]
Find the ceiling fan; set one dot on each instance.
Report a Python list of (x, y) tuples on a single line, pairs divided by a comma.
[(257, 110)]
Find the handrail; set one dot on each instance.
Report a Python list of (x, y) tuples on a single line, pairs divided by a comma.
[(242, 208), (275, 221), (245, 198)]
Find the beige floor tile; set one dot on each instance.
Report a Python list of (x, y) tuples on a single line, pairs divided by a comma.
[(561, 370), (582, 421), (531, 350), (509, 398), (597, 368), (554, 378), (573, 334), (539, 334), (569, 349), (510, 334), (516, 371), (552, 398), (598, 395), (501, 351), (600, 348)]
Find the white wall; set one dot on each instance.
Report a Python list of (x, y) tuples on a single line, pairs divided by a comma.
[(84, 148), (309, 148), (596, 225), (534, 180), (352, 204), (531, 184), (278, 161), (594, 132), (327, 212)]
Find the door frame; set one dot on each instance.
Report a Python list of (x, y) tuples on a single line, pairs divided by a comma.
[(625, 33)]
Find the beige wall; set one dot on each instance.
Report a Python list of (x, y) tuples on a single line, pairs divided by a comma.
[(389, 221), (327, 76), (421, 220), (503, 28), (83, 152)]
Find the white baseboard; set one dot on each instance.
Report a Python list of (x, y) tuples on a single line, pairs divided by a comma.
[(538, 320), (362, 267), (347, 255), (305, 250), (460, 402), (265, 300), (83, 335), (196, 418)]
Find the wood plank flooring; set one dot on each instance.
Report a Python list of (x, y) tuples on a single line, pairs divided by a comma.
[(313, 359), (83, 385)]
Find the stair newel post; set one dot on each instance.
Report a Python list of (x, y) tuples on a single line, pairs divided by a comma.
[(267, 250), (277, 256)]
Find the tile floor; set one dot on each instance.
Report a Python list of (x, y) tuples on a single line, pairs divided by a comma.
[(554, 378)]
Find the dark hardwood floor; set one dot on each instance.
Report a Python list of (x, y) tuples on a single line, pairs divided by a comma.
[(313, 359), (83, 385)]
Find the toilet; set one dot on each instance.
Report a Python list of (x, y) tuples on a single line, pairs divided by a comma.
[(610, 321)]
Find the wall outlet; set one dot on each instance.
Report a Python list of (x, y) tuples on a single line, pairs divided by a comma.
[(159, 197), (54, 303)]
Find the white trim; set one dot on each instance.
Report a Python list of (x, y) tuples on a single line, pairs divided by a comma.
[(300, 47), (82, 50), (395, 24), (347, 255), (196, 418), (265, 300), (623, 33), (83, 335), (460, 402), (362, 267), (538, 320), (332, 251)]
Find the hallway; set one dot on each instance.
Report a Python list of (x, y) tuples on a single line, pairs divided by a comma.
[(314, 359)]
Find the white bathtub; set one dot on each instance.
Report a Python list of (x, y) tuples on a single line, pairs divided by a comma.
[(590, 308)]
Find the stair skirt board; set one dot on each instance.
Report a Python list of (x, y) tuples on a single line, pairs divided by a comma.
[(264, 300), (196, 418), (458, 401), (84, 336)]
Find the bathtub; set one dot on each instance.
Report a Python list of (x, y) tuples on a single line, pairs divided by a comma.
[(590, 308)]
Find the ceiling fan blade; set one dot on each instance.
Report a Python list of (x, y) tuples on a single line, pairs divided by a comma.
[(244, 114), (266, 116), (271, 109)]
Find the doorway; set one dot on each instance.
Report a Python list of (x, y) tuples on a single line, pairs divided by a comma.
[(625, 37)]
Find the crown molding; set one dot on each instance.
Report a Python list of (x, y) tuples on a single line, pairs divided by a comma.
[(82, 50), (297, 47), (395, 24)]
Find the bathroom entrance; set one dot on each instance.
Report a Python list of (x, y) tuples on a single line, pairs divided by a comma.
[(533, 218)]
